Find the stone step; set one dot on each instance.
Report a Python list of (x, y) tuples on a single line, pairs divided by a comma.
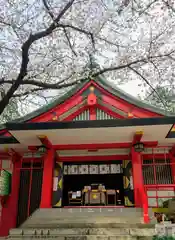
[(77, 237), (64, 224), (66, 212), (85, 224), (82, 232), (54, 217), (80, 222)]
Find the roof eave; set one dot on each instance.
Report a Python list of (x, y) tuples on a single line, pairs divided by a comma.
[(129, 98)]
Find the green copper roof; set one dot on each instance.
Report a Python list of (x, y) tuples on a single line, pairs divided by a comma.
[(110, 87), (114, 90)]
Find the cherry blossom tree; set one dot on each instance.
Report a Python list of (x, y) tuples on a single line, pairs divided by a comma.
[(46, 45)]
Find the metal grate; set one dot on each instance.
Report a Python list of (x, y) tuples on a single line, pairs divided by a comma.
[(157, 171), (83, 116), (101, 115)]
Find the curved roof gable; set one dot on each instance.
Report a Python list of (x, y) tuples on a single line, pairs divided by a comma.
[(106, 85)]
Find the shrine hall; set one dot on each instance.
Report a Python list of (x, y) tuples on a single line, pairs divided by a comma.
[(93, 146)]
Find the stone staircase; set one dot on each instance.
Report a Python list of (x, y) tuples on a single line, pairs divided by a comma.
[(85, 224)]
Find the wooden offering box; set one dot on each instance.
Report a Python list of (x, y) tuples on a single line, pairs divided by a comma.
[(97, 197)]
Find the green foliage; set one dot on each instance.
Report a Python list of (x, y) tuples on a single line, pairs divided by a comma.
[(11, 112), (163, 238), (163, 98)]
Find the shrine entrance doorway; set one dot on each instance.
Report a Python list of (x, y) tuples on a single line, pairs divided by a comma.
[(93, 184)]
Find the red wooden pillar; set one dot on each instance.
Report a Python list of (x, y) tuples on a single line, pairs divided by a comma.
[(10, 209), (137, 177), (47, 185)]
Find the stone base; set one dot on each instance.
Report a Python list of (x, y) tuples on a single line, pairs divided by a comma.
[(85, 224)]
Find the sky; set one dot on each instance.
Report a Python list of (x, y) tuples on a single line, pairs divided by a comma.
[(132, 88)]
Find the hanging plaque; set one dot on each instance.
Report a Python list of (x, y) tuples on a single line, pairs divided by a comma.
[(69, 169), (74, 169), (104, 169), (83, 169), (115, 168), (93, 169), (5, 183), (65, 169)]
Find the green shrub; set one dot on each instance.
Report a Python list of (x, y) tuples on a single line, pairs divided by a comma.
[(163, 238)]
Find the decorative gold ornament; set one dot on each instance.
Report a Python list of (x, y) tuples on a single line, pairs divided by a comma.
[(6, 149), (130, 114), (94, 196), (55, 118), (139, 132), (91, 89), (42, 136)]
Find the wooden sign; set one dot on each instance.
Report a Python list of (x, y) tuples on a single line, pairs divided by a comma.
[(5, 183)]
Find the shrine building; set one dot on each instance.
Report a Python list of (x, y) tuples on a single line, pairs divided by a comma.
[(93, 146)]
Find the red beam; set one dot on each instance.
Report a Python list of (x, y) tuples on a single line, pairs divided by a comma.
[(101, 146), (32, 159), (159, 186), (33, 148), (92, 146), (93, 158), (4, 155), (155, 156), (107, 157)]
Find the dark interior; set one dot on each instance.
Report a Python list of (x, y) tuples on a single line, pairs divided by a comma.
[(31, 175), (77, 183)]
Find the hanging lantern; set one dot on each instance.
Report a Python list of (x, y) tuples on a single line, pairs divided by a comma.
[(139, 147), (42, 149)]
